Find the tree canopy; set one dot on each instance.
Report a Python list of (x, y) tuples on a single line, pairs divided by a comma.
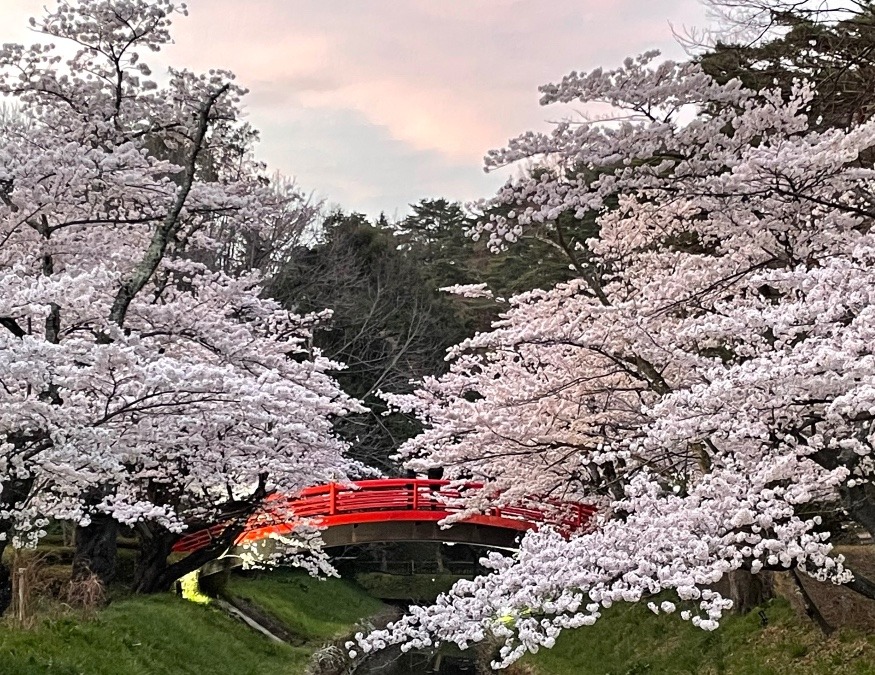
[(680, 327), (140, 385), (705, 380), (388, 324)]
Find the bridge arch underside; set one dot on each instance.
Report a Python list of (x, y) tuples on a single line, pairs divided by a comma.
[(473, 534)]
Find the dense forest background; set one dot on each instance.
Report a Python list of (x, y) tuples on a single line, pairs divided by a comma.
[(390, 322)]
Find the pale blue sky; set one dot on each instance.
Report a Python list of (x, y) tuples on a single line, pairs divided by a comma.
[(374, 104)]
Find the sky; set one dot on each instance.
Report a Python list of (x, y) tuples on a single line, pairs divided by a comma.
[(375, 104)]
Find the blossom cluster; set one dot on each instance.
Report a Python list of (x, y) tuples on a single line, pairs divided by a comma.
[(708, 385), (136, 379)]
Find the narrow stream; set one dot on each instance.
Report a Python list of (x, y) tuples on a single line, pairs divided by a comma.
[(395, 662), (448, 660)]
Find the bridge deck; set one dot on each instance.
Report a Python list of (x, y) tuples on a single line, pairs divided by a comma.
[(390, 500)]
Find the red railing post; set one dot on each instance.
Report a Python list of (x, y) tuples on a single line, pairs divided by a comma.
[(415, 486), (332, 499)]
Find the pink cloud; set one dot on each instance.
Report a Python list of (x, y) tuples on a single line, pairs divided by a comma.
[(457, 77), (449, 78)]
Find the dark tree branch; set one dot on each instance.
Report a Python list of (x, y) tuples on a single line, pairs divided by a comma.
[(12, 325), (164, 232)]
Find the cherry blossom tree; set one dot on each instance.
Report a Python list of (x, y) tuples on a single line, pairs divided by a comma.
[(829, 43), (706, 381), (140, 386)]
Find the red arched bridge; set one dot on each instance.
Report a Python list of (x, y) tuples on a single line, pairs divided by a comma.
[(395, 509)]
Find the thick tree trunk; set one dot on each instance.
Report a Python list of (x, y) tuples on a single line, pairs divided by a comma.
[(858, 500), (860, 503), (151, 572), (96, 549), (15, 493), (748, 590), (155, 575), (5, 581)]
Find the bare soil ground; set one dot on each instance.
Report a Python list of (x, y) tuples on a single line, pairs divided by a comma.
[(841, 607)]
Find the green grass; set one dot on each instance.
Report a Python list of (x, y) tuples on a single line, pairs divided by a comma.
[(632, 641), (417, 587), (164, 635), (159, 635), (317, 610)]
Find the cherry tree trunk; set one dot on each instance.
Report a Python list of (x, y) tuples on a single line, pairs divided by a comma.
[(155, 574), (96, 549), (748, 590), (151, 575), (5, 581), (860, 503), (14, 494)]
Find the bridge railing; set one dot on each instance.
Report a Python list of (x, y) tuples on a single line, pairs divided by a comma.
[(414, 494), (338, 503)]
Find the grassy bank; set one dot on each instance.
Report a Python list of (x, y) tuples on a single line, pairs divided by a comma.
[(163, 635), (159, 635), (632, 641), (407, 587), (314, 609)]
